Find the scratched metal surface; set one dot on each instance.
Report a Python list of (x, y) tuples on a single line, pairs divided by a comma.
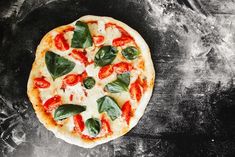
[(192, 110)]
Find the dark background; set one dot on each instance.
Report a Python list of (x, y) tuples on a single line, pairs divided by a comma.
[(192, 110)]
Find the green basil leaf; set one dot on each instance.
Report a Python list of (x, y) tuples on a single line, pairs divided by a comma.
[(119, 85), (57, 65), (105, 55), (93, 125), (130, 53), (124, 77), (116, 86), (68, 110), (109, 105), (89, 82), (81, 36)]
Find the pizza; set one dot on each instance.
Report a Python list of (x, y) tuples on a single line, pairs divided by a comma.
[(91, 80)]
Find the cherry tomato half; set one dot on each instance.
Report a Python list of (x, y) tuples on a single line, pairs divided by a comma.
[(41, 83), (105, 71), (60, 42), (79, 123), (52, 103), (122, 67), (126, 111)]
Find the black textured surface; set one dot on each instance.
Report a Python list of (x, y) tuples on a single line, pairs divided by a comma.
[(192, 110)]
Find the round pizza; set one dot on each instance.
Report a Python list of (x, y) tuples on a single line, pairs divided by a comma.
[(91, 80)]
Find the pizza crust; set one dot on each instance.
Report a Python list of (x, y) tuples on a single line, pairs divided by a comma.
[(48, 121)]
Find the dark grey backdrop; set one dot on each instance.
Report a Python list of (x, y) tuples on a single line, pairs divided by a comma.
[(192, 110)]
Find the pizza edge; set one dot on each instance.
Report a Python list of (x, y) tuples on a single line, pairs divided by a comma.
[(48, 121)]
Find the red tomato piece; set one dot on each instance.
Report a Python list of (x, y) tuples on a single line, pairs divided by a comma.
[(71, 79), (88, 137), (84, 75), (123, 32), (109, 25), (98, 40), (60, 42), (79, 123), (71, 97), (126, 111), (135, 91), (80, 79), (79, 55), (41, 83), (122, 40), (105, 71), (91, 22), (106, 129), (122, 67), (85, 92), (52, 103), (143, 83), (69, 28), (91, 62)]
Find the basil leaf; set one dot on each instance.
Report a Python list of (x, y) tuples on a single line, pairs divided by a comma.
[(89, 82), (93, 125), (109, 105), (105, 55), (57, 65), (68, 110), (116, 86), (124, 77), (119, 85), (81, 36), (130, 53)]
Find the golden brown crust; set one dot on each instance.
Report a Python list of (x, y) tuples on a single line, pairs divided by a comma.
[(35, 99)]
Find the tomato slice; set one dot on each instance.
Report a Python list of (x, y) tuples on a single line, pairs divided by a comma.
[(41, 83), (143, 83), (122, 67), (79, 55), (79, 123), (98, 40), (135, 91), (52, 103), (126, 111), (105, 71), (122, 40), (71, 79), (60, 42), (105, 128)]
